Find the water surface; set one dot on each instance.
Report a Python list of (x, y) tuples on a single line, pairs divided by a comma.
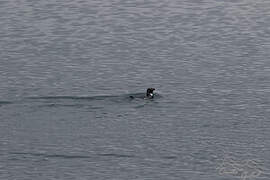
[(67, 70)]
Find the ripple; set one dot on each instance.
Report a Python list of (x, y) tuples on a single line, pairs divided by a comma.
[(69, 156), (5, 102), (99, 97), (44, 155), (116, 155), (72, 97)]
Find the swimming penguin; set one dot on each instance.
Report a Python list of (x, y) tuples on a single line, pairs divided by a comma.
[(149, 94)]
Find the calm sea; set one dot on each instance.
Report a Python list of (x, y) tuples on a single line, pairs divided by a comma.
[(67, 69)]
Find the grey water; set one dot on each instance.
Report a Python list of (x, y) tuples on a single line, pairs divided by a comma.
[(67, 69)]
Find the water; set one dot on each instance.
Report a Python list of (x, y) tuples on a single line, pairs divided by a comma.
[(68, 68)]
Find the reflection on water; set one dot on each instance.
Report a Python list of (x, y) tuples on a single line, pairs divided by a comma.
[(247, 169)]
